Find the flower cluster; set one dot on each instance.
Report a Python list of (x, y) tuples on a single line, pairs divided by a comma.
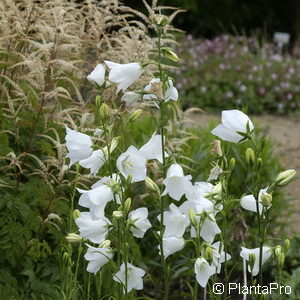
[(238, 71)]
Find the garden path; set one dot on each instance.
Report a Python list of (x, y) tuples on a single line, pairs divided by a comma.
[(285, 133)]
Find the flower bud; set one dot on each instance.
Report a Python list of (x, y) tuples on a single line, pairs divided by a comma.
[(284, 177), (252, 258), (127, 204), (159, 19), (216, 149), (231, 163), (73, 238), (76, 214), (170, 54), (250, 156), (192, 217), (209, 254), (98, 100), (287, 245), (151, 185), (134, 115), (259, 163), (105, 244), (217, 189), (266, 199), (277, 251), (117, 214), (103, 111)]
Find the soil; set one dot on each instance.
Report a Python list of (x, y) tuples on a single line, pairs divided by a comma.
[(285, 133)]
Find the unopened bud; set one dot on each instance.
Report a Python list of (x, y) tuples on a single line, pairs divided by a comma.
[(134, 115), (151, 185), (159, 20), (76, 214), (231, 164), (266, 199), (169, 53), (192, 217), (105, 244), (284, 177), (277, 251), (209, 254), (216, 149), (98, 100), (217, 189), (117, 214), (250, 156), (73, 238), (127, 204), (287, 245), (252, 259), (259, 163), (103, 111), (66, 256)]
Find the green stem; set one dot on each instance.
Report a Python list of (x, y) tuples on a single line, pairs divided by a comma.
[(72, 199)]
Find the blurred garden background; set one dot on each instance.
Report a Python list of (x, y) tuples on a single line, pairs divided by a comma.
[(233, 54)]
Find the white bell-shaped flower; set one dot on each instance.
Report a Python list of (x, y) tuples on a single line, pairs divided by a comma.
[(171, 92), (79, 145), (134, 277), (176, 183), (130, 98), (172, 245), (96, 199), (94, 162), (97, 257), (175, 222), (266, 254), (92, 229), (124, 74), (248, 202), (133, 163), (141, 223), (219, 256), (203, 271), (233, 121), (97, 75), (153, 148)]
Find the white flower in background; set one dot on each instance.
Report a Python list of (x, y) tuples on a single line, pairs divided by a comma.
[(175, 221), (130, 98), (134, 277), (92, 229), (176, 183), (171, 245), (153, 148), (248, 202), (94, 162), (97, 257), (203, 271), (232, 121), (141, 222), (266, 254), (219, 255), (170, 94), (124, 74), (133, 163), (97, 75), (79, 145)]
